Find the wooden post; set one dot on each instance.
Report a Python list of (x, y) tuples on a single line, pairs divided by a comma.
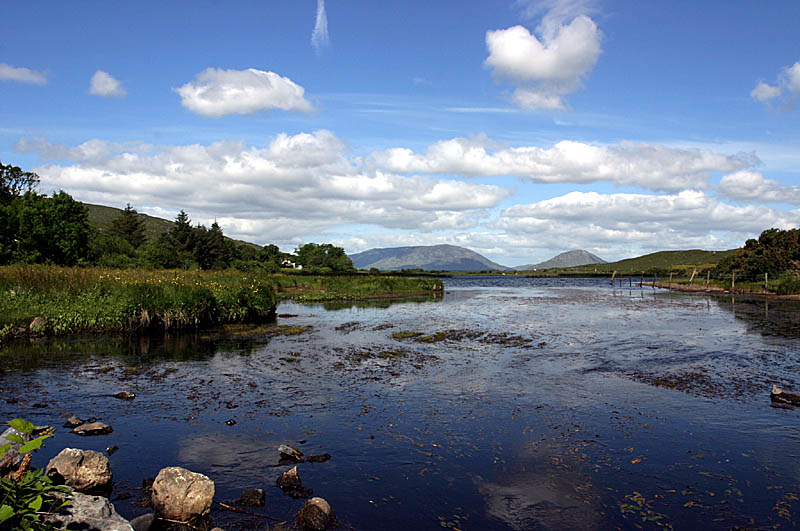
[(630, 281), (693, 275), (708, 278), (766, 281), (613, 276), (670, 278), (641, 281), (733, 280)]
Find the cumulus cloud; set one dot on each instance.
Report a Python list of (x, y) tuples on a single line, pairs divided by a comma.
[(649, 166), (752, 186), (23, 75), (645, 223), (217, 92), (319, 36), (547, 65), (295, 185), (787, 87), (105, 85)]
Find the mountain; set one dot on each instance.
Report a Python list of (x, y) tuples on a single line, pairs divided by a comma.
[(430, 258), (567, 259)]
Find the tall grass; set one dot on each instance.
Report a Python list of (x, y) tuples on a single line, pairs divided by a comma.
[(108, 300), (352, 287)]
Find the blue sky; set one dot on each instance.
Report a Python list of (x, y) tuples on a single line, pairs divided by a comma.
[(519, 129)]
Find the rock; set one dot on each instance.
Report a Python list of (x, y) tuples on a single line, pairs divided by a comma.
[(12, 458), (83, 470), (318, 458), (289, 452), (290, 484), (179, 494), (111, 449), (316, 515), (230, 422), (125, 395), (289, 480), (89, 513), (143, 522), (94, 428), (781, 396), (73, 422), (37, 326), (252, 498)]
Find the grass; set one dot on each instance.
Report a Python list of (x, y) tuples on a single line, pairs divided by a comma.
[(352, 287), (73, 300), (76, 300)]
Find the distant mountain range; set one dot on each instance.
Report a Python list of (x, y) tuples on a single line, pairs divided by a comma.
[(428, 257), (568, 259)]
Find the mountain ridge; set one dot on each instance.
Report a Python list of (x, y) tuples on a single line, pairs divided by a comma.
[(442, 257), (574, 258)]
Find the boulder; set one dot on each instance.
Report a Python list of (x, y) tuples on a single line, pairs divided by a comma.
[(125, 395), (89, 513), (179, 494), (94, 428), (83, 470), (316, 515)]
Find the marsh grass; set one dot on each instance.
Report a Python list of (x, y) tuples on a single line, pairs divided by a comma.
[(75, 300), (352, 287)]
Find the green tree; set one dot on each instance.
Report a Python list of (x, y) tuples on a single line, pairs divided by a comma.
[(51, 229), (130, 226), (211, 250), (14, 182), (324, 255), (181, 232)]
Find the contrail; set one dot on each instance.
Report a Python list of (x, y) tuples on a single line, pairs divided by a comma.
[(319, 37)]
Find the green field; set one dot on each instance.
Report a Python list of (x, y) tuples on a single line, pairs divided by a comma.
[(662, 263)]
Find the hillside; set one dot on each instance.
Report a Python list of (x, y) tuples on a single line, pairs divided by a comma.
[(429, 258), (101, 217), (568, 259), (661, 262)]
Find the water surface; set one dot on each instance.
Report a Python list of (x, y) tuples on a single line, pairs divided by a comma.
[(540, 404)]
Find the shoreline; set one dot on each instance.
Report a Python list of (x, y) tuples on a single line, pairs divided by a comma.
[(716, 290)]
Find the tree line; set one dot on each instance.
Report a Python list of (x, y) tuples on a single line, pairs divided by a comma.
[(37, 229)]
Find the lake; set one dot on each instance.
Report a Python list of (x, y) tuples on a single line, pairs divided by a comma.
[(509, 403)]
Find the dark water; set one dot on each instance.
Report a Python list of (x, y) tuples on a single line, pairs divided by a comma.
[(542, 404)]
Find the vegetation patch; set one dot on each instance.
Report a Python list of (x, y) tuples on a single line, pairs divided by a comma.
[(459, 335), (406, 335)]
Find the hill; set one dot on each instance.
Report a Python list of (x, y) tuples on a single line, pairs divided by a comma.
[(661, 263), (429, 258), (101, 218), (568, 259)]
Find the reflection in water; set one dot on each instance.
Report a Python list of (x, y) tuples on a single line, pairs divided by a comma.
[(510, 404)]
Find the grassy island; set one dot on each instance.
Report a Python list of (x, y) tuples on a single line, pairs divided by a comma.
[(80, 300)]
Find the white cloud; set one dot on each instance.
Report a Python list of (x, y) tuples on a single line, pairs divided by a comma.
[(765, 92), (296, 185), (787, 86), (649, 166), (105, 85), (217, 92), (23, 75), (752, 186), (547, 67), (319, 36), (626, 225)]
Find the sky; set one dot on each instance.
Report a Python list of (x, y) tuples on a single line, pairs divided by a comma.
[(517, 128)]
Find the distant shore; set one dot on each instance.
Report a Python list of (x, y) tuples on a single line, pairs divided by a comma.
[(703, 288)]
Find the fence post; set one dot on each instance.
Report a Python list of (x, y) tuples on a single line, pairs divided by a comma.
[(766, 282), (733, 280)]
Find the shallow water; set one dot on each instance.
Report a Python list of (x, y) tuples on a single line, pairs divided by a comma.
[(543, 404)]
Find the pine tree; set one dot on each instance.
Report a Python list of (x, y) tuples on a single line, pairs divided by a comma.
[(130, 226)]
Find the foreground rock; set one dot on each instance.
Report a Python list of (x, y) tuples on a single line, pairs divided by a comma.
[(94, 428), (290, 453), (316, 515), (89, 513), (179, 494), (83, 470)]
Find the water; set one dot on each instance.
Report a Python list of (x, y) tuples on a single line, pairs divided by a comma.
[(542, 404)]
